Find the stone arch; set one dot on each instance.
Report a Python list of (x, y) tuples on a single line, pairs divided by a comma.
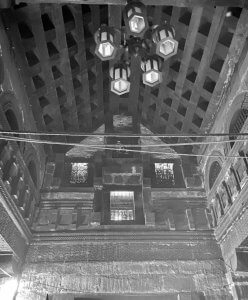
[(235, 116), (32, 163), (236, 124), (33, 171), (213, 168), (214, 171)]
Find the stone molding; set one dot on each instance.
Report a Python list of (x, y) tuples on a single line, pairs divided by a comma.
[(14, 213)]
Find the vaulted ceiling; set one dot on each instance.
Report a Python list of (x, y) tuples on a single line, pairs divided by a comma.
[(68, 86)]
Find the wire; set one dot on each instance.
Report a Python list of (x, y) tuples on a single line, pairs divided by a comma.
[(159, 145), (150, 145), (90, 148), (88, 134)]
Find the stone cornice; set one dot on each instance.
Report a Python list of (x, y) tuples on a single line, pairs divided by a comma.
[(234, 212), (14, 213), (137, 234), (178, 194), (59, 195), (228, 163)]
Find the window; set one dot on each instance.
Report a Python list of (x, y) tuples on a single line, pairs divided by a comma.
[(236, 124), (33, 172), (122, 205), (213, 173), (79, 173), (164, 173)]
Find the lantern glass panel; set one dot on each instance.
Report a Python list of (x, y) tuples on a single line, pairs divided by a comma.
[(152, 77), (148, 65), (137, 9), (129, 13), (121, 85), (106, 49), (104, 36), (137, 24), (166, 47)]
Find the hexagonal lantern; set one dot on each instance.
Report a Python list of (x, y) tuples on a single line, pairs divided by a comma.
[(120, 74), (152, 75), (135, 19), (105, 46), (164, 38)]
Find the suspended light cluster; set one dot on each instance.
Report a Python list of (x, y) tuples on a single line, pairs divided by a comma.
[(153, 44)]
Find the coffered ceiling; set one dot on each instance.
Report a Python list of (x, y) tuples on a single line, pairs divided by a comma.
[(68, 86)]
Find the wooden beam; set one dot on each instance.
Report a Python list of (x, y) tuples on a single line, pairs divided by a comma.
[(34, 14), (163, 89), (82, 61), (189, 47), (228, 73), (65, 68), (179, 3), (11, 18), (215, 29)]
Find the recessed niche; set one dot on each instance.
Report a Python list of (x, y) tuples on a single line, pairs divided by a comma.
[(203, 103), (168, 101), (165, 116), (182, 110), (197, 54), (187, 95), (52, 50), (32, 59), (47, 119), (47, 23), (25, 31), (209, 85), (197, 120)]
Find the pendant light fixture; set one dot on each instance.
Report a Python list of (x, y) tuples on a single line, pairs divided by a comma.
[(105, 45), (120, 83), (152, 75), (164, 38), (152, 44), (135, 19)]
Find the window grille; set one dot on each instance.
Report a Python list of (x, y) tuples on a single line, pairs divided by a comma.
[(122, 205), (79, 173), (237, 123), (164, 173)]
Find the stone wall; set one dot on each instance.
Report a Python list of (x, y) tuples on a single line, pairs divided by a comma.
[(123, 174), (132, 267), (156, 277), (12, 235)]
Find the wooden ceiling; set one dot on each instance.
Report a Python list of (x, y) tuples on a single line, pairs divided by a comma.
[(68, 86)]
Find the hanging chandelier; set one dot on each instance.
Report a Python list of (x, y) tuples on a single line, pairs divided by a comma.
[(153, 44)]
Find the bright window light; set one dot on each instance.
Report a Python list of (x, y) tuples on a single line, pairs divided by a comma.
[(122, 205), (79, 173), (164, 173), (8, 288)]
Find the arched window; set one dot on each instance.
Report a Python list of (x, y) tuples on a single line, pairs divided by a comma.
[(236, 124), (213, 173), (33, 172)]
